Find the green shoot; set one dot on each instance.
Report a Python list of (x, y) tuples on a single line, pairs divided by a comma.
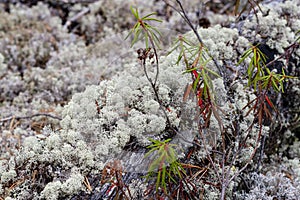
[(274, 80), (184, 45), (164, 162), (196, 58), (256, 66), (142, 30), (256, 71), (262, 83)]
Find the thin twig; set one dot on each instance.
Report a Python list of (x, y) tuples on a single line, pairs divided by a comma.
[(208, 155), (287, 53), (76, 17), (261, 152), (30, 116), (153, 84)]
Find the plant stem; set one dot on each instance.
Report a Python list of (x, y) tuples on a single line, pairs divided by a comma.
[(183, 14), (153, 84)]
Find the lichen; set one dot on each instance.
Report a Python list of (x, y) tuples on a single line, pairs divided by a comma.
[(101, 116), (7, 176), (281, 182), (274, 28), (52, 190)]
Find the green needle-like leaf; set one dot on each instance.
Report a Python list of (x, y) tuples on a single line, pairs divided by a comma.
[(146, 16), (134, 12)]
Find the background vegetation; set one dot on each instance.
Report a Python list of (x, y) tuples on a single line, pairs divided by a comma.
[(203, 106)]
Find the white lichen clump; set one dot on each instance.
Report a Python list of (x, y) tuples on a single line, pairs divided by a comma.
[(106, 115), (275, 28), (280, 182)]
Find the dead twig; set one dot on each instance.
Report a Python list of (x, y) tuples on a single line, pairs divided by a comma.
[(76, 17), (87, 184), (29, 117)]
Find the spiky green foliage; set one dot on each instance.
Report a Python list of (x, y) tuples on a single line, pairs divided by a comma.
[(196, 58), (274, 80), (262, 83), (197, 54), (255, 68), (256, 71), (144, 31), (164, 166)]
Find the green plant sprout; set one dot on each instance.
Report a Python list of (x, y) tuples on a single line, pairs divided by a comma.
[(184, 45), (150, 33), (258, 61), (198, 54), (142, 30), (196, 58), (274, 80), (164, 162), (257, 68), (202, 72), (262, 84)]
